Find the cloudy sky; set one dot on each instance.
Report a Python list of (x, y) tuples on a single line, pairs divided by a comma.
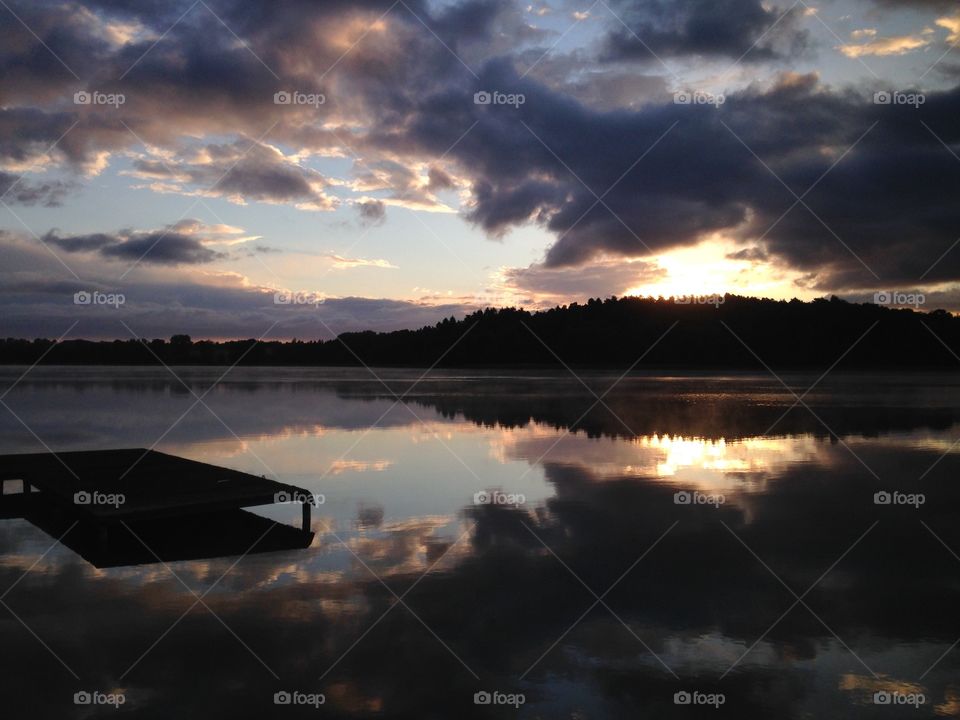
[(235, 168)]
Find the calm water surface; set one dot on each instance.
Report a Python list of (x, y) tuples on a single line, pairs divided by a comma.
[(696, 534)]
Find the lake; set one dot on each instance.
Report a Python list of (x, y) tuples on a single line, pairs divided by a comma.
[(508, 544)]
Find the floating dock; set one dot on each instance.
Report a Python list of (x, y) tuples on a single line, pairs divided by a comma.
[(137, 506)]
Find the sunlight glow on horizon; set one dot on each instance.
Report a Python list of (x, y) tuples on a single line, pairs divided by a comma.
[(707, 268)]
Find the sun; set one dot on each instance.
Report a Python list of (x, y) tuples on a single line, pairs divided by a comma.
[(708, 268)]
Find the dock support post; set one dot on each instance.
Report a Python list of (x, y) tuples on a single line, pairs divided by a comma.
[(306, 516)]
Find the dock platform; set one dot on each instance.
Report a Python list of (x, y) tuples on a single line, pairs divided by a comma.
[(136, 506)]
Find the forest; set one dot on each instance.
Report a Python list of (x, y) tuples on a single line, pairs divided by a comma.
[(734, 332)]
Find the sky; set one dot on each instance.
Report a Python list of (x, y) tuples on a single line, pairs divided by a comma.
[(296, 168)]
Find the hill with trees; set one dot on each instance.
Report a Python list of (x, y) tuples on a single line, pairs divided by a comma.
[(737, 332)]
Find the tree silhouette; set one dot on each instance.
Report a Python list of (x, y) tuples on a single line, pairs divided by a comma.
[(734, 332)]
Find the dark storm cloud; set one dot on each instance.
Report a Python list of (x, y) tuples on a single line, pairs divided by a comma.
[(499, 206), (195, 80), (75, 48), (32, 136), (548, 161), (408, 102), (156, 248), (747, 29), (888, 199), (28, 131), (189, 79)]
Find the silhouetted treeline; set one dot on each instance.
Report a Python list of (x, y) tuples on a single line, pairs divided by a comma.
[(740, 332)]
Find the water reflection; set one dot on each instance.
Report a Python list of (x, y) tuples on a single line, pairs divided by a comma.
[(695, 597)]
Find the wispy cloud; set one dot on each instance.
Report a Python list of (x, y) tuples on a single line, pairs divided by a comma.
[(952, 24), (345, 263), (897, 45)]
